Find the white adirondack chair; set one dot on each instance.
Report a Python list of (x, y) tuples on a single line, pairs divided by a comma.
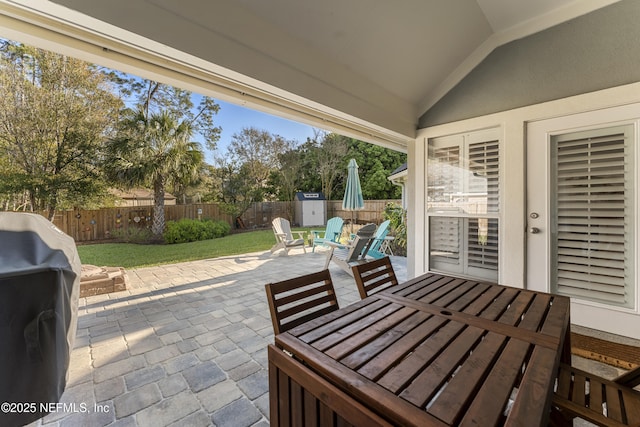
[(354, 253), (284, 236)]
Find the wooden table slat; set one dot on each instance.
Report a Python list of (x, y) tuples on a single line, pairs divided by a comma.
[(496, 307), (430, 380), (321, 327), (372, 331), (403, 373), (386, 340), (536, 384), (464, 385), (554, 324), (451, 292), (491, 399), (391, 356), (349, 329), (420, 288), (516, 309), (465, 294), (535, 314)]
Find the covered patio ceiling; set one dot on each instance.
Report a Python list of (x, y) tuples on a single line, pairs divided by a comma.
[(364, 68)]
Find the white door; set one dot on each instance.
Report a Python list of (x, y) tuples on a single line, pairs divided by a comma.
[(582, 207)]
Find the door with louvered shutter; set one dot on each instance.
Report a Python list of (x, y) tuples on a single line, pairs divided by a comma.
[(592, 215), (582, 215)]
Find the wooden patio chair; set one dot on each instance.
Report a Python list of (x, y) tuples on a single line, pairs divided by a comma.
[(296, 301), (354, 253), (375, 251), (284, 236), (330, 234), (374, 276), (595, 399), (298, 396)]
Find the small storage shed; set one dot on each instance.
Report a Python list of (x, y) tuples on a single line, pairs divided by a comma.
[(311, 209)]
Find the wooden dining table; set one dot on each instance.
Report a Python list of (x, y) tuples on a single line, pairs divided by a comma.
[(433, 351)]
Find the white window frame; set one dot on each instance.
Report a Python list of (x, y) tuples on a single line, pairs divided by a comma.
[(465, 140)]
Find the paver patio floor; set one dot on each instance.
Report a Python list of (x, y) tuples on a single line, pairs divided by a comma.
[(185, 345)]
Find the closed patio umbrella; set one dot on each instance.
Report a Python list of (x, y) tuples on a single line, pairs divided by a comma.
[(353, 193)]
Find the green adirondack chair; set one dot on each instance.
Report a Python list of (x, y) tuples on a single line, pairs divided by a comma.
[(330, 234)]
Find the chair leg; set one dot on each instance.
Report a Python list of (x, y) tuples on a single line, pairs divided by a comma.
[(329, 256), (558, 419)]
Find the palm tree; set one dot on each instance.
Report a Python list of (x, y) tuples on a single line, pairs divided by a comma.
[(154, 151)]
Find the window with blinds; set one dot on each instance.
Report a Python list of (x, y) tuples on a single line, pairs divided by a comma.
[(463, 204), (593, 209)]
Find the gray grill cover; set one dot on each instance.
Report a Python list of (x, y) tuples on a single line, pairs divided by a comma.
[(39, 289)]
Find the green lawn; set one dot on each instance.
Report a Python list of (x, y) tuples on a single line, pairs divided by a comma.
[(131, 255)]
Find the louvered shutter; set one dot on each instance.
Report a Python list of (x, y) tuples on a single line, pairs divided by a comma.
[(464, 203), (593, 206)]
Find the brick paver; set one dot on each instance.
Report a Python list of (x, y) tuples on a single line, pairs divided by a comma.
[(185, 345)]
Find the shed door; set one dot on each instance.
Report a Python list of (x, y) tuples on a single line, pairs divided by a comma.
[(313, 213)]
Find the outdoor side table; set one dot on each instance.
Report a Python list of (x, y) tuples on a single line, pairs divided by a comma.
[(385, 247), (436, 351)]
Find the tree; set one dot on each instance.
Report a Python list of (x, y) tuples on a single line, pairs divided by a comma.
[(235, 187), (153, 146), (154, 151), (375, 165), (55, 112), (287, 178), (331, 161), (323, 162), (244, 172), (152, 97)]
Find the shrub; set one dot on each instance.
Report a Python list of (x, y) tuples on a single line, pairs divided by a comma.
[(191, 230), (398, 218)]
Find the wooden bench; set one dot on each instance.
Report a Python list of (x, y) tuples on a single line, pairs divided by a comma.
[(300, 397), (595, 399)]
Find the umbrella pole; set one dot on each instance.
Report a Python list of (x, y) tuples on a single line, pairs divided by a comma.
[(351, 222)]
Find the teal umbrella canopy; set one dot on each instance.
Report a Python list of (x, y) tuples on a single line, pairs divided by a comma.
[(353, 193)]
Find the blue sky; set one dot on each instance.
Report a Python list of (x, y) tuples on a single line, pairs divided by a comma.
[(232, 118)]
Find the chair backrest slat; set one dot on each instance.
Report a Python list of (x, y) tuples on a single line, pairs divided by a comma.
[(282, 226), (361, 243), (298, 300), (374, 276), (308, 317), (334, 229), (305, 306)]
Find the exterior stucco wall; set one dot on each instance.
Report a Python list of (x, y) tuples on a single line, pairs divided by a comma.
[(593, 52)]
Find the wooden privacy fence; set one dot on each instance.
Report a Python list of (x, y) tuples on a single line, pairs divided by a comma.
[(372, 212), (100, 224)]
